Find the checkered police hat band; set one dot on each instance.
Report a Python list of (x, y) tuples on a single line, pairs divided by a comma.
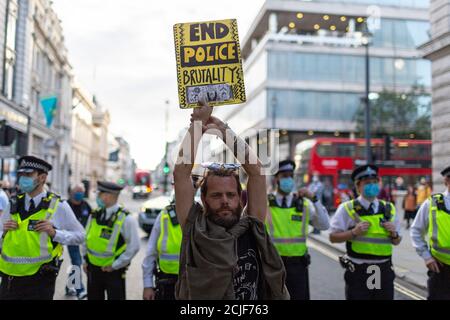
[(366, 173), (33, 165), (286, 167)]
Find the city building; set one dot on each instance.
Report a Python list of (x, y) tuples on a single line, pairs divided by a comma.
[(304, 65), (121, 167), (11, 113), (438, 51), (89, 155), (35, 67)]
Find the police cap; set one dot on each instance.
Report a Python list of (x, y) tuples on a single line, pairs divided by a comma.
[(29, 164), (363, 172), (286, 166), (446, 171), (109, 187)]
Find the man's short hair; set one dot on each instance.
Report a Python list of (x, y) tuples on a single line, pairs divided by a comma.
[(78, 186), (220, 173)]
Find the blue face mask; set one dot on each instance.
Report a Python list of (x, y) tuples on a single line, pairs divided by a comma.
[(100, 203), (287, 185), (27, 184), (371, 190), (78, 196)]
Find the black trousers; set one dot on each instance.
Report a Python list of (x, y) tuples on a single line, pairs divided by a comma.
[(439, 284), (362, 283), (165, 286), (297, 279), (111, 283), (35, 287)]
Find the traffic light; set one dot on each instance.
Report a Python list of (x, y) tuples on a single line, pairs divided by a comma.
[(388, 147), (166, 169)]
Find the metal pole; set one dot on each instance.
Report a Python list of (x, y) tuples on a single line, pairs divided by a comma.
[(367, 122), (2, 172), (167, 145)]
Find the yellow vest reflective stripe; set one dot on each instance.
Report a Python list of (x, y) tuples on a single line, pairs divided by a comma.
[(439, 230), (288, 229), (376, 241), (24, 251), (169, 245), (102, 241)]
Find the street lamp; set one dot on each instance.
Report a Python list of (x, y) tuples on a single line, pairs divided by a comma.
[(365, 40)]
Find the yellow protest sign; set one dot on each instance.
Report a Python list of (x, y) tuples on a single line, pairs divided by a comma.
[(209, 63)]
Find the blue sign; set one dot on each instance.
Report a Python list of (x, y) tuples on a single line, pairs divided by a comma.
[(49, 105)]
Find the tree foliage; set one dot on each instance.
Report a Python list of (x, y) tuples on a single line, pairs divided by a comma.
[(398, 115)]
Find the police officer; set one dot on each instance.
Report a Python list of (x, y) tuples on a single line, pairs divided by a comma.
[(369, 227), (288, 219), (163, 254), (35, 226), (111, 242), (433, 219)]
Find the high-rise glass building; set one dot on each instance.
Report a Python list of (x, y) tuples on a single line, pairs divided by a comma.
[(305, 70)]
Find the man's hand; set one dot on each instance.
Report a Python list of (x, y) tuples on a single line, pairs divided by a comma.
[(432, 265), (361, 228), (149, 294), (45, 226), (389, 226), (305, 193), (10, 225), (107, 269), (202, 113)]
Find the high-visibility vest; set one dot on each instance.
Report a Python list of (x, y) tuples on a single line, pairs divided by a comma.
[(439, 229), (24, 250), (376, 243), (169, 242), (102, 240), (288, 227)]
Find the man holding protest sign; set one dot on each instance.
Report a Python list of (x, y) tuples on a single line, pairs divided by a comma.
[(225, 249)]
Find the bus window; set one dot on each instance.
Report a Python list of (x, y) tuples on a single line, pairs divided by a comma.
[(345, 150), (326, 150)]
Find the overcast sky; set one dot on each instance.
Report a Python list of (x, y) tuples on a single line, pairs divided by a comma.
[(128, 45)]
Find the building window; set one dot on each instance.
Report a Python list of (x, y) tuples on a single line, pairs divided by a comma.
[(10, 49), (347, 69)]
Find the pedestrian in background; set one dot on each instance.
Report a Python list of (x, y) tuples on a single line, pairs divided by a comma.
[(82, 210), (316, 187), (410, 205), (423, 192)]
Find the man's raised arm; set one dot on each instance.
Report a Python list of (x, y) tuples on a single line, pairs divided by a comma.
[(256, 185), (184, 189)]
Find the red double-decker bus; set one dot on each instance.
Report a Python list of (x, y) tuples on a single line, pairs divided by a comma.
[(334, 159)]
